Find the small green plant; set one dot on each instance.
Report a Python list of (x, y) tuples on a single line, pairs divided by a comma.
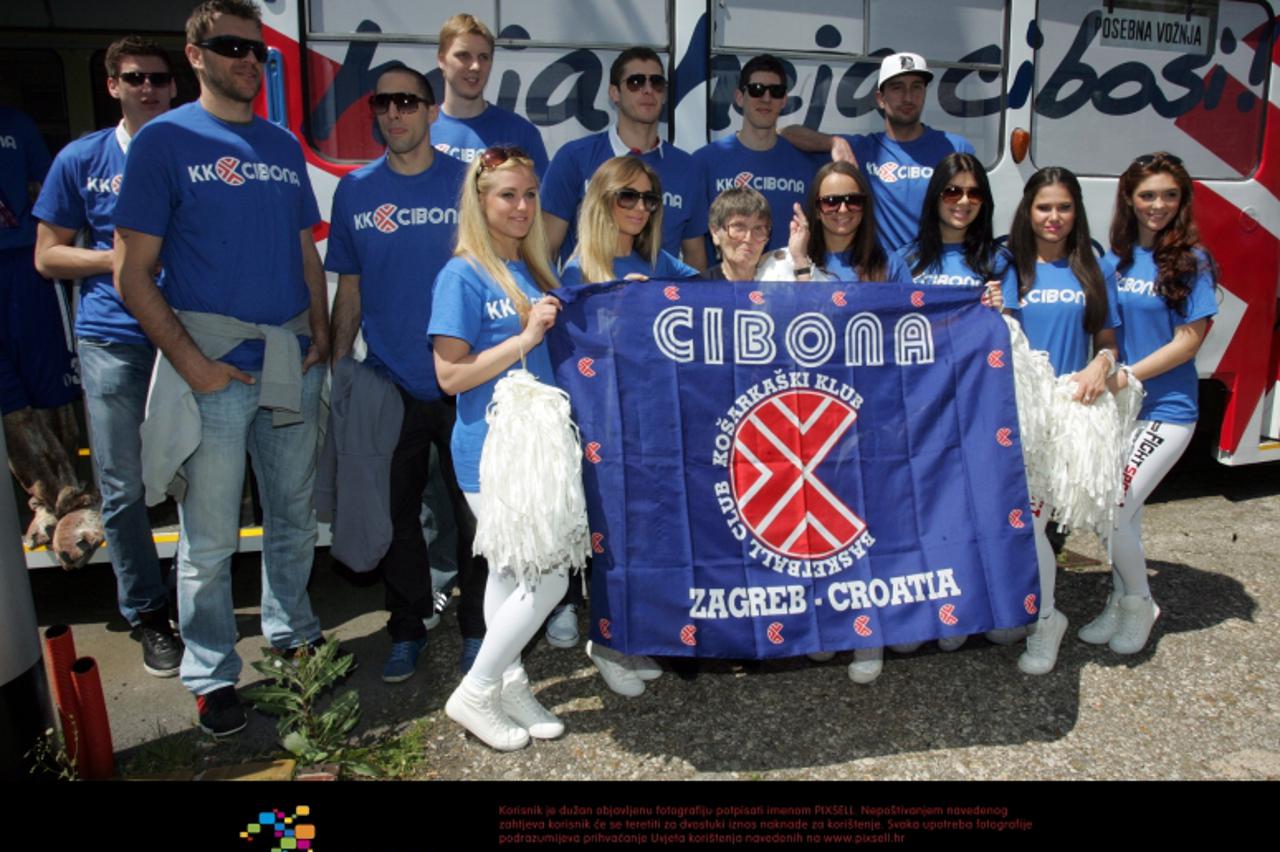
[(294, 695), (49, 758)]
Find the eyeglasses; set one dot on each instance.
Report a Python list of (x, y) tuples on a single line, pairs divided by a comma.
[(159, 79), (235, 47), (777, 91), (832, 203), (628, 198), (742, 231), (952, 194), (406, 102), (1159, 156), (636, 82)]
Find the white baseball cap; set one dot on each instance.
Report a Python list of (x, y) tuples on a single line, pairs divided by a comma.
[(897, 64)]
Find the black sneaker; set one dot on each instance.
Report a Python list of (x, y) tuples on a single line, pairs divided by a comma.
[(221, 713), (161, 650)]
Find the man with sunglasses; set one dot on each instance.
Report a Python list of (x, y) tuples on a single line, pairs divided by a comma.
[(468, 123), (638, 88), (899, 161), (391, 232), (222, 197), (756, 156), (116, 357)]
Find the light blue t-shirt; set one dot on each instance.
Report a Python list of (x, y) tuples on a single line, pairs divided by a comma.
[(465, 138), (24, 159), (469, 305), (397, 232), (667, 267), (1149, 323), (1052, 313), (952, 270), (839, 267), (781, 175), (684, 194), (230, 202), (899, 174), (80, 195)]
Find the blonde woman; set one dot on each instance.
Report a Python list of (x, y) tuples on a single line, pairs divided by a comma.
[(489, 313)]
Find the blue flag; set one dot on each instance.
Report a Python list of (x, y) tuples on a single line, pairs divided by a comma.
[(778, 468)]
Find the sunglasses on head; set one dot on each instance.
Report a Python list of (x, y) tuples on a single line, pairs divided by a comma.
[(635, 82), (628, 198), (406, 102), (952, 194), (158, 79), (832, 203), (1160, 156), (235, 47), (491, 158), (777, 91)]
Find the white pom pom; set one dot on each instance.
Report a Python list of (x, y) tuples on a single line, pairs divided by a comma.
[(1033, 384), (535, 516)]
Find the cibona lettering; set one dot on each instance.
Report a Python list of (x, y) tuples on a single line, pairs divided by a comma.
[(939, 280), (1054, 297), (248, 171), (765, 183), (408, 216)]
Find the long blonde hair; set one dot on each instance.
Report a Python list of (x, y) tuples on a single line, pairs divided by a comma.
[(475, 244), (598, 232)]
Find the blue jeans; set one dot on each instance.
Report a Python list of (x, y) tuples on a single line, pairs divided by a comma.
[(115, 378), (284, 462)]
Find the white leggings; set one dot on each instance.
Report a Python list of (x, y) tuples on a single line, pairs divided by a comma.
[(512, 615), (1153, 450), (1045, 560)]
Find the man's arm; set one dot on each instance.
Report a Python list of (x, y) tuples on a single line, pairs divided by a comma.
[(807, 139), (346, 316), (557, 229), (136, 254), (313, 272), (57, 255), (694, 252)]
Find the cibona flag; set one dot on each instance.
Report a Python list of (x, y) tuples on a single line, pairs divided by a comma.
[(773, 469)]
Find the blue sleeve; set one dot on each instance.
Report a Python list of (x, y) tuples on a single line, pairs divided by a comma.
[(860, 144), (670, 267), (696, 226), (60, 202), (1113, 295), (1202, 301), (572, 274), (900, 256), (560, 195), (148, 190), (961, 144), (534, 147), (1009, 289), (308, 211), (457, 307), (897, 270), (340, 254)]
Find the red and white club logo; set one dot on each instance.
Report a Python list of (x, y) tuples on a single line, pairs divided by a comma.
[(115, 184), (1015, 519), (742, 179), (777, 450), (672, 292), (888, 172), (774, 632), (604, 628), (592, 452), (837, 298), (946, 614), (1002, 436), (917, 298), (756, 297), (597, 540), (584, 367), (995, 358), (1029, 604), (225, 169), (382, 219), (862, 625), (688, 634)]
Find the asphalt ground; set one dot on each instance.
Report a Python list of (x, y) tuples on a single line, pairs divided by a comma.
[(1201, 702)]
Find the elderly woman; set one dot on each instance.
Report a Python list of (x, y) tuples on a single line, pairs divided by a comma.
[(740, 223)]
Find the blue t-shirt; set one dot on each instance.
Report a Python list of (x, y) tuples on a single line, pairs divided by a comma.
[(80, 195), (781, 175), (1052, 313), (839, 267), (684, 195), (899, 174), (397, 232), (468, 305), (230, 202), (1149, 323), (465, 138), (667, 267), (952, 270), (24, 158)]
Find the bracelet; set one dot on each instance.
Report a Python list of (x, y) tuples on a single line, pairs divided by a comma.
[(1111, 362)]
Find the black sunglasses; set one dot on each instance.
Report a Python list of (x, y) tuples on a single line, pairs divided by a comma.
[(628, 198), (1159, 156), (832, 203), (777, 91), (635, 82), (159, 79), (406, 102), (235, 47)]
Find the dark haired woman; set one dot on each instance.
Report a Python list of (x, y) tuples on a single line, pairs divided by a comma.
[(1066, 302), (1166, 296), (842, 226)]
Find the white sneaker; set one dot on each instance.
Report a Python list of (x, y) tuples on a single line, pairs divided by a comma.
[(617, 676), (1042, 644), (1136, 617), (905, 647), (821, 656), (1101, 629), (1006, 635), (562, 627), (866, 665), (952, 643), (645, 668), (480, 712), (519, 703)]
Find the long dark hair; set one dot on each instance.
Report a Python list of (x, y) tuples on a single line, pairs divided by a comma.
[(865, 253), (979, 237), (1079, 247), (1177, 251)]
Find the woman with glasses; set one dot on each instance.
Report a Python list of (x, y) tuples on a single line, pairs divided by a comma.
[(620, 228), (740, 220), (1166, 294), (488, 316), (842, 227), (1066, 301)]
